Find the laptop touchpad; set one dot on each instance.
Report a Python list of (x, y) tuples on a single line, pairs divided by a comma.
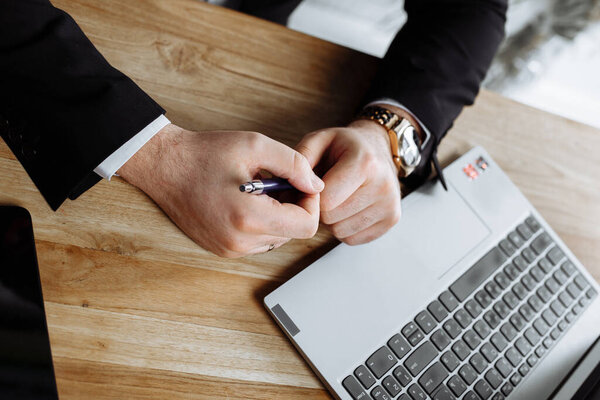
[(446, 227)]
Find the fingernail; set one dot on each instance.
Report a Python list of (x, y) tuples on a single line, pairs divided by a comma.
[(317, 183)]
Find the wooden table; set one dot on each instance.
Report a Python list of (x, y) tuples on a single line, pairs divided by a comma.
[(136, 309)]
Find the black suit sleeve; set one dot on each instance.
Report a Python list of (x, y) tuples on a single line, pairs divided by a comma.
[(437, 61), (63, 108)]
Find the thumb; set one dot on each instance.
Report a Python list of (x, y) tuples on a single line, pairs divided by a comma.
[(285, 162)]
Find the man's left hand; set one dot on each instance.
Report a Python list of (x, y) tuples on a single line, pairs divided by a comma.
[(361, 199)]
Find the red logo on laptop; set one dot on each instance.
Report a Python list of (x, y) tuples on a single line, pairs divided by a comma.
[(473, 171)]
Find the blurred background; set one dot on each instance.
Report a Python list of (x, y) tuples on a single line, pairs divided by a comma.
[(550, 58)]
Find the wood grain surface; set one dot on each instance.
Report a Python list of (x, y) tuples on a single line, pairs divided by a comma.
[(135, 309)]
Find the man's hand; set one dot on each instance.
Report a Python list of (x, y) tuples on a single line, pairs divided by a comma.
[(361, 199), (194, 177)]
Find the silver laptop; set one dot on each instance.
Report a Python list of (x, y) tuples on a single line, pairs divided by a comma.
[(471, 295)]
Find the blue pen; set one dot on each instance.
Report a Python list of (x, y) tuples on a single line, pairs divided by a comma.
[(262, 186)]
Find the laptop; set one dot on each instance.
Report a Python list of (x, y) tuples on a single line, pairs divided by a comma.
[(471, 295), (26, 371)]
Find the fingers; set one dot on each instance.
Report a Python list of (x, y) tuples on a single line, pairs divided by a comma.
[(265, 215), (369, 234), (313, 145), (341, 181), (385, 214), (360, 200), (285, 162)]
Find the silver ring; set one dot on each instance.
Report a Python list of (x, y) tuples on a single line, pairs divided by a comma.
[(271, 246)]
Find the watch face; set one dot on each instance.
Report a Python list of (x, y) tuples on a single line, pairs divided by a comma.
[(409, 148)]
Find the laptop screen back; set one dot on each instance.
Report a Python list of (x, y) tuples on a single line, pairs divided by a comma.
[(26, 370)]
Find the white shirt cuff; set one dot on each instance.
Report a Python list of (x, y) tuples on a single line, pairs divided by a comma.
[(392, 102), (116, 160)]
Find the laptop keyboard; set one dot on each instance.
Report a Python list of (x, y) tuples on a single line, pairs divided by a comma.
[(483, 335)]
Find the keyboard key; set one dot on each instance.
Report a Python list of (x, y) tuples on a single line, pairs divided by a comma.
[(519, 290), (492, 318), (513, 356), (527, 312), (499, 341), (516, 239), (581, 282), (523, 370), (478, 362), (483, 298), (569, 317), (549, 317), (533, 224), (557, 308), (477, 274), (540, 326), (364, 376), (450, 361), (399, 345), (461, 349), (532, 360), (452, 328), (502, 280), (504, 367), (528, 255), (552, 285), (463, 318), (507, 389), (489, 352), (425, 321), (515, 379), (448, 300), (432, 378), (568, 268), (409, 329), (540, 351), (482, 329), (532, 336), (440, 339), (473, 308), (493, 289), (565, 298), (401, 375), (507, 247), (467, 373), (420, 358), (535, 302), (523, 346), (511, 271), (563, 325), (443, 393), (560, 276), (520, 263), (416, 337), (379, 394), (573, 290), (470, 395), (438, 311), (555, 255), (390, 384), (547, 342), (544, 294), (381, 361), (591, 293), (528, 282), (511, 300), (555, 334), (509, 331), (545, 265), (541, 243), (524, 231), (416, 392), (577, 309), (502, 309), (493, 377), (483, 389), (472, 339), (456, 385), (537, 274), (354, 388)]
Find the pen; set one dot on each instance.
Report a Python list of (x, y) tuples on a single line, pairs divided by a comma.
[(260, 186)]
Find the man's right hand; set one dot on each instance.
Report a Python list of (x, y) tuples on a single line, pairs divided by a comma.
[(194, 177)]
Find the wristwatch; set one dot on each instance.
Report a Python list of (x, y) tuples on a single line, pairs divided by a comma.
[(405, 143)]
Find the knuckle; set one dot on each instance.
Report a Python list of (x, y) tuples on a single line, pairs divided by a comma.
[(369, 162), (254, 140)]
